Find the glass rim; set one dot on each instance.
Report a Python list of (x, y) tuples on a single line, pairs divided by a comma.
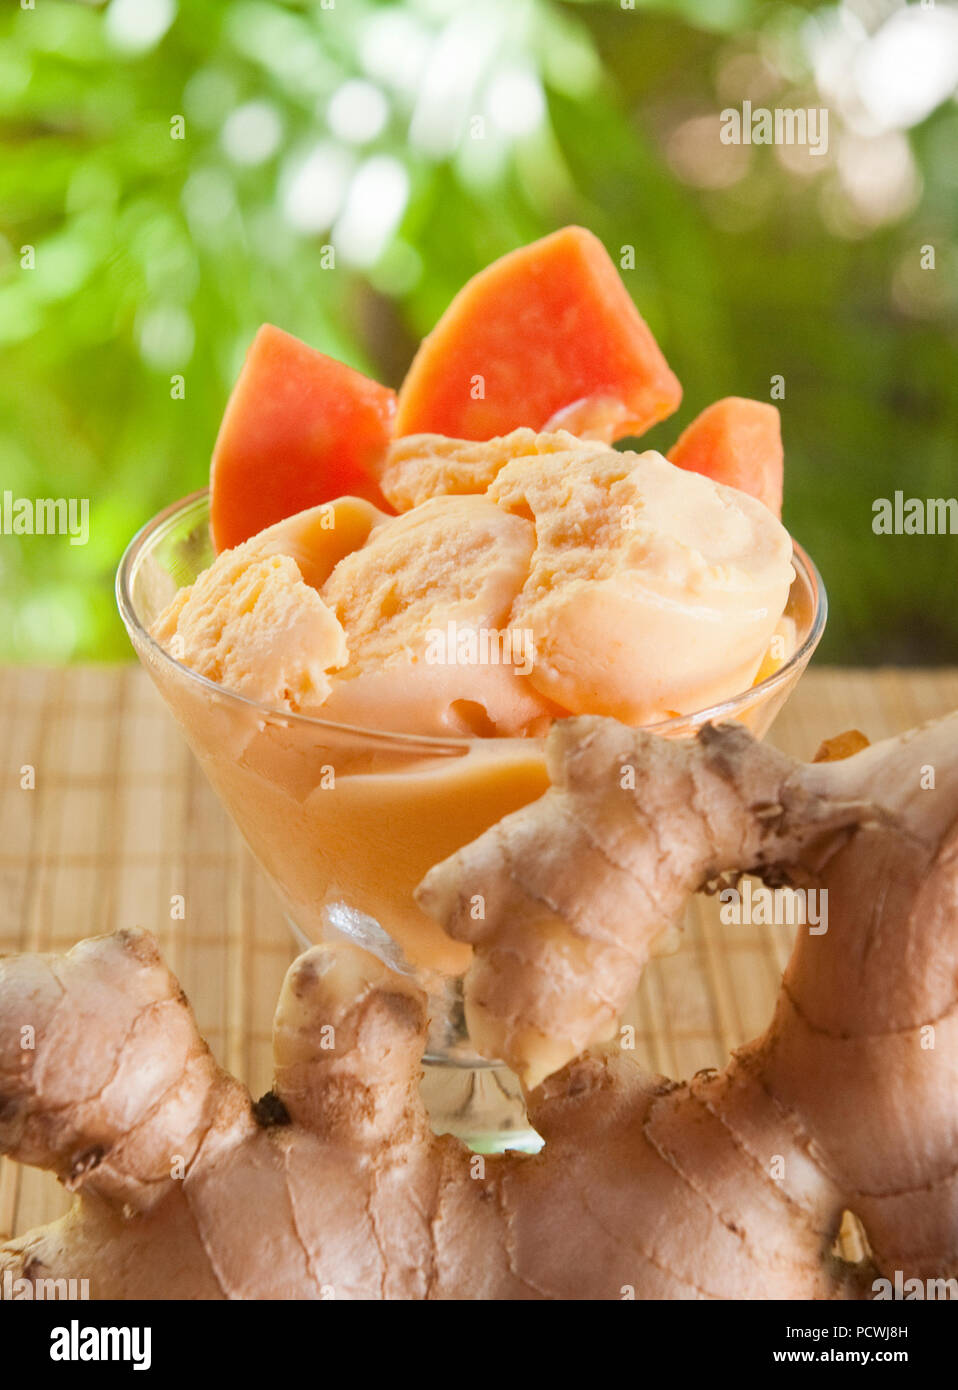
[(805, 568)]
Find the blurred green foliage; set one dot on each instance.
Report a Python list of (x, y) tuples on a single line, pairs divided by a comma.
[(156, 257)]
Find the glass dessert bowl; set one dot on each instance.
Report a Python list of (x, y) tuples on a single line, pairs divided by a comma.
[(346, 821)]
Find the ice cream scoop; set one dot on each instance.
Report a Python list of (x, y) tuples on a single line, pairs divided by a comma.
[(251, 624), (254, 621), (419, 466), (651, 591), (425, 607)]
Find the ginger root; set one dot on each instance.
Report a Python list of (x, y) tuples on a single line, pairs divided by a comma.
[(732, 1185), (564, 899)]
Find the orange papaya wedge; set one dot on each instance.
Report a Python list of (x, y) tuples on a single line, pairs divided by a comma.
[(299, 429), (548, 337), (738, 442)]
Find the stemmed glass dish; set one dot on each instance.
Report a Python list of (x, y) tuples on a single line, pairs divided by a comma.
[(346, 821)]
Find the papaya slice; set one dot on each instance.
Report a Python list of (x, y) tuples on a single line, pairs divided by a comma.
[(738, 442), (299, 429), (546, 337)]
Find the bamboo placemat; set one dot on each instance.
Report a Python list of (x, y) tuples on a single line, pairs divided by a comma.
[(120, 821)]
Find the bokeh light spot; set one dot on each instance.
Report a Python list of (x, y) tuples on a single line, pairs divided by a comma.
[(165, 335), (135, 26), (357, 112), (516, 102), (208, 198), (315, 185), (879, 176), (48, 626), (394, 49), (252, 133), (910, 66), (374, 207), (696, 153)]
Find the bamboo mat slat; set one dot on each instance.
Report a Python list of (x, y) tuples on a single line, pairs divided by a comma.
[(121, 820)]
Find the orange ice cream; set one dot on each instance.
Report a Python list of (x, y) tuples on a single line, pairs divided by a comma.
[(652, 590), (251, 624), (420, 466), (529, 577), (411, 598)]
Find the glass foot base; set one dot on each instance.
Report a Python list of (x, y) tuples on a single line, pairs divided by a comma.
[(481, 1105), (479, 1102)]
